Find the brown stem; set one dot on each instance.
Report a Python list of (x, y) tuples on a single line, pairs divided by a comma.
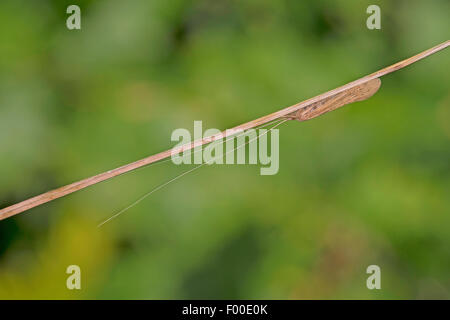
[(357, 90)]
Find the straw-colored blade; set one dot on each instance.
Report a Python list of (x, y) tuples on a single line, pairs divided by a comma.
[(357, 90)]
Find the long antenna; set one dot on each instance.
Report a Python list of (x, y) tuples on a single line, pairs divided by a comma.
[(357, 90)]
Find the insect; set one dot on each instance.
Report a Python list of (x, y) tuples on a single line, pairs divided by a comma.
[(357, 90)]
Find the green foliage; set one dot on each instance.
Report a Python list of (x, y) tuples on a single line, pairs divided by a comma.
[(367, 184)]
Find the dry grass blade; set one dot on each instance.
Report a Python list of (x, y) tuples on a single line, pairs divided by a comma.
[(357, 90)]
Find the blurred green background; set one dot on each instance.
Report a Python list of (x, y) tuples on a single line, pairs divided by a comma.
[(367, 184)]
